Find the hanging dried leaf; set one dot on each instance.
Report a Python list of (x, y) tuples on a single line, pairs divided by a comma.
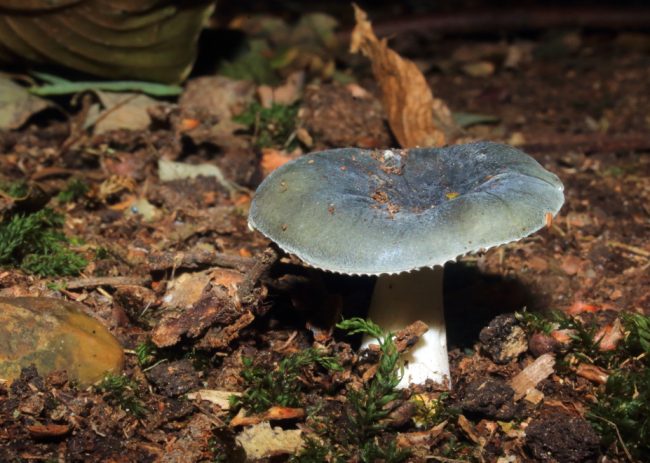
[(416, 118), (152, 40)]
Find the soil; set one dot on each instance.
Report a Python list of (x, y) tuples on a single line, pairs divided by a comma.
[(577, 102)]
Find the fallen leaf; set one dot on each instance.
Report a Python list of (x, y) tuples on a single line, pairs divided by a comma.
[(17, 104), (414, 116), (579, 307), (127, 111), (408, 440), (273, 158), (262, 441), (564, 336)]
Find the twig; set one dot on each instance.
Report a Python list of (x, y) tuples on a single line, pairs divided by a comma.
[(628, 247), (201, 258), (92, 282)]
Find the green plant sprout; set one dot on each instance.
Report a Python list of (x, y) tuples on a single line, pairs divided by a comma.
[(359, 438), (267, 387)]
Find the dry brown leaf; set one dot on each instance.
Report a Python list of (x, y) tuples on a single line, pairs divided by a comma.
[(17, 105), (273, 158), (415, 117), (127, 111)]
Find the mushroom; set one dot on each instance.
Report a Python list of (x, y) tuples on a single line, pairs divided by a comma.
[(401, 215)]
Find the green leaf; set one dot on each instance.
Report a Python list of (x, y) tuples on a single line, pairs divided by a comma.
[(67, 87), (468, 119)]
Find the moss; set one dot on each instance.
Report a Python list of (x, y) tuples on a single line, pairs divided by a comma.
[(74, 190), (35, 243), (272, 126)]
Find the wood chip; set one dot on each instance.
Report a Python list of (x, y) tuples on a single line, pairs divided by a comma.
[(530, 376)]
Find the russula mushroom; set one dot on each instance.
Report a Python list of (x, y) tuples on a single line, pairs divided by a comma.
[(401, 215)]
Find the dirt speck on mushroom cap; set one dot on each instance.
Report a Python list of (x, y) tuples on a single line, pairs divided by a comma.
[(440, 203)]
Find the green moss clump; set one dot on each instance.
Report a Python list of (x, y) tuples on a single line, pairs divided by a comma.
[(123, 392), (278, 386), (272, 126), (75, 189), (35, 243)]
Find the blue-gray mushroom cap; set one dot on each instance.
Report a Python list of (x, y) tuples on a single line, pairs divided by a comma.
[(371, 212)]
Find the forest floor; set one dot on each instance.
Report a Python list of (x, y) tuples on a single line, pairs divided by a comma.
[(177, 276)]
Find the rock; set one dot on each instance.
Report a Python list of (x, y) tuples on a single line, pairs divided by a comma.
[(541, 343), (503, 339), (560, 436), (55, 335), (491, 398)]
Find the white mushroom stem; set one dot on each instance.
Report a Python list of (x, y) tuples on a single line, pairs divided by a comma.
[(399, 300)]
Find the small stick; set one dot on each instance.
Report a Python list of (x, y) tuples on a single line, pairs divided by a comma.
[(194, 259), (80, 283)]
